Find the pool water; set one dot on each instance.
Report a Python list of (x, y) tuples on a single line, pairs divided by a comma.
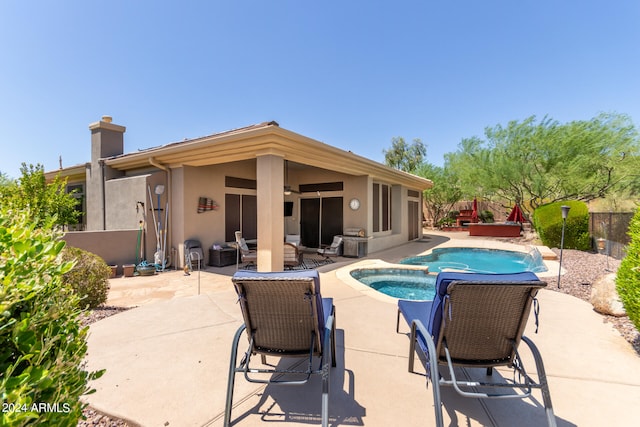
[(476, 260), (398, 282), (414, 284)]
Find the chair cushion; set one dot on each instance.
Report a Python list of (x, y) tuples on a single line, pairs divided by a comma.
[(327, 309), (443, 281), (243, 245), (416, 310)]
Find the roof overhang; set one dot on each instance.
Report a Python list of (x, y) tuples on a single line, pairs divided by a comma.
[(71, 173), (267, 138)]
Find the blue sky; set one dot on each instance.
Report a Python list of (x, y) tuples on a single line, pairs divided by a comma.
[(351, 73)]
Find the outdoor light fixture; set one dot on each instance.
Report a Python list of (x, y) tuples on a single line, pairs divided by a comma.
[(565, 214), (602, 245)]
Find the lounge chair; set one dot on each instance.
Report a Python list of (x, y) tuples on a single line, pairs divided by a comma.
[(334, 250), (245, 255), (476, 320), (284, 316)]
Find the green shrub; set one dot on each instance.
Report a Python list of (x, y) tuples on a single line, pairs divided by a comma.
[(547, 220), (42, 344), (486, 217), (446, 221), (89, 277), (628, 276)]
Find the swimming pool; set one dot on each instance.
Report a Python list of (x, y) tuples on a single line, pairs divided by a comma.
[(398, 282), (479, 260)]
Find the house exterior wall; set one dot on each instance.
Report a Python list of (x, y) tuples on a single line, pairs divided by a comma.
[(118, 184), (115, 247), (122, 197), (353, 187), (122, 210), (398, 234), (191, 183)]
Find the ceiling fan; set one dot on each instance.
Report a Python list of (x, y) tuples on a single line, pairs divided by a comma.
[(287, 188)]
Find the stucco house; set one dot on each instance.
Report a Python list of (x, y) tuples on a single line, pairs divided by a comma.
[(263, 180)]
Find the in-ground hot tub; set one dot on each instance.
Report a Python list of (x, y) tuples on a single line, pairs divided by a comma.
[(404, 283)]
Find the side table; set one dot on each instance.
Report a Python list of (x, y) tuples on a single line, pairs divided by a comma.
[(222, 257)]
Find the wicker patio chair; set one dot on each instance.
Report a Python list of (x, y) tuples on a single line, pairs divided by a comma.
[(244, 254), (334, 250), (284, 316), (292, 255), (477, 321)]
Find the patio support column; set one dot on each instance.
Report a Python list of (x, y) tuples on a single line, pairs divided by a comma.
[(270, 201)]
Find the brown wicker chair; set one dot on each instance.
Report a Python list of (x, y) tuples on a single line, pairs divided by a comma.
[(292, 255), (477, 321), (284, 316)]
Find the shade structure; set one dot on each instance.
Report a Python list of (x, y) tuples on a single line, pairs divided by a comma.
[(516, 215), (474, 213)]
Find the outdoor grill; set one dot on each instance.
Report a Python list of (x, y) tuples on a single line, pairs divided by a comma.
[(355, 242)]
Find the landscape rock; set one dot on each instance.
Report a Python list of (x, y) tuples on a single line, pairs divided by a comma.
[(604, 296)]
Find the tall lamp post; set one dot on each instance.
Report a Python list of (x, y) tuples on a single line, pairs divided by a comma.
[(565, 214)]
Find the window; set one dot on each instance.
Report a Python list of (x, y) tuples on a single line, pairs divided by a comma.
[(240, 215), (381, 207), (77, 192)]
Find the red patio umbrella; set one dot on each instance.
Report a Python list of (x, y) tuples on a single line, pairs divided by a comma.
[(474, 213), (516, 215)]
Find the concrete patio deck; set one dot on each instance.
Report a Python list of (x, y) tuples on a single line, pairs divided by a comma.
[(167, 360)]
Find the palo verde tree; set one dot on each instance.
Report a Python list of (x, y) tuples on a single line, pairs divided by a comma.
[(446, 191), (404, 156), (31, 193), (536, 162)]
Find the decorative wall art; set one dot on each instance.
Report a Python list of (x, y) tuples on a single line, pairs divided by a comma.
[(206, 204)]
